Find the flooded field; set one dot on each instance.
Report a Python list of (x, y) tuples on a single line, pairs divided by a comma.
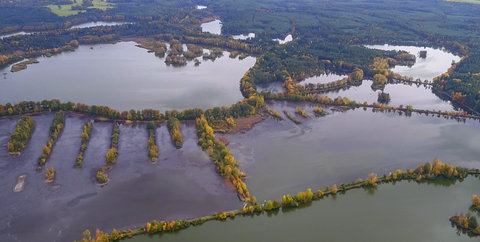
[(280, 157), (182, 184)]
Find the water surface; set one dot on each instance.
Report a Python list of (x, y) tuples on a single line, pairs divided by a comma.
[(437, 62), (213, 27), (183, 183), (406, 211), (124, 77), (419, 96), (280, 157), (323, 78)]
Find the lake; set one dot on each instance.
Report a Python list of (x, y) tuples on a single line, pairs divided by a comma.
[(182, 184), (124, 77), (406, 211)]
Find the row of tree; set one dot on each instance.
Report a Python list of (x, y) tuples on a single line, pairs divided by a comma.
[(55, 129), (21, 135), (226, 164), (87, 131), (241, 109), (152, 147), (173, 125)]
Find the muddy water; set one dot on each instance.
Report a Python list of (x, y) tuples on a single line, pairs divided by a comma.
[(182, 184)]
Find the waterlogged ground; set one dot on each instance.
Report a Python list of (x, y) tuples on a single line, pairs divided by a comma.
[(182, 184), (124, 77), (406, 211), (280, 157)]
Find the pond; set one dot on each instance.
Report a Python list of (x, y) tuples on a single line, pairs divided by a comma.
[(280, 157), (323, 78), (436, 62), (419, 96), (213, 27), (244, 36), (124, 77), (406, 211), (287, 39), (182, 184)]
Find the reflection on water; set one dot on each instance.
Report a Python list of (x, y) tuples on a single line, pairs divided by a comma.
[(436, 63), (405, 211), (124, 77), (323, 78), (281, 157), (419, 96)]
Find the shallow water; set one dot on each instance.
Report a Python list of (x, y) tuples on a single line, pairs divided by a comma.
[(280, 157), (124, 77), (182, 184), (406, 211), (437, 62)]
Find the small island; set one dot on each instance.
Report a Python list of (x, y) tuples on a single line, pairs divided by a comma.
[(23, 65)]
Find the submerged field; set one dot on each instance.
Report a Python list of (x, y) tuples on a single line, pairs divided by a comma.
[(182, 184)]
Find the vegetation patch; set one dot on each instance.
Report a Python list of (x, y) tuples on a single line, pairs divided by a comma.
[(289, 116), (79, 6), (175, 132), (87, 131), (49, 175), (55, 129), (152, 147), (21, 135)]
